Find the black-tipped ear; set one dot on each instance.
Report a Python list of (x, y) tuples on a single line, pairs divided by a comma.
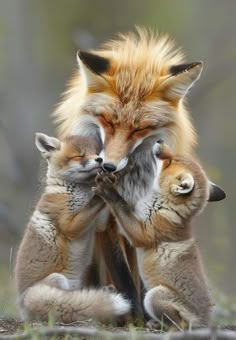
[(95, 63), (216, 193), (177, 69), (180, 79)]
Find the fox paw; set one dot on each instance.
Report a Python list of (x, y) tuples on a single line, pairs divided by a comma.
[(109, 289), (154, 325), (104, 186), (106, 175)]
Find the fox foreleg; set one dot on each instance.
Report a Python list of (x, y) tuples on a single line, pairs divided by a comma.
[(134, 228), (80, 221)]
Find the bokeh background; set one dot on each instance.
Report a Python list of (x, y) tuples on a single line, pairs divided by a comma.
[(38, 44)]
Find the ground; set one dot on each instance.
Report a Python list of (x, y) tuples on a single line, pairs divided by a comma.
[(13, 326), (89, 329)]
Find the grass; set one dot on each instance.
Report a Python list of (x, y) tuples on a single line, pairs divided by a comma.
[(225, 313), (8, 304)]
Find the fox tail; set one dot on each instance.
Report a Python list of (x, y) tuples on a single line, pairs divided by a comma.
[(41, 301)]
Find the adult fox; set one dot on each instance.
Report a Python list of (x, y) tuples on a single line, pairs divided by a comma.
[(130, 89)]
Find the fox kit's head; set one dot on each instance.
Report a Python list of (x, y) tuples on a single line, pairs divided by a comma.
[(131, 89), (75, 159), (184, 186)]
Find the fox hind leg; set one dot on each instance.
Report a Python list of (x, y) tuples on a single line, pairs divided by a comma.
[(57, 280), (109, 288), (161, 303)]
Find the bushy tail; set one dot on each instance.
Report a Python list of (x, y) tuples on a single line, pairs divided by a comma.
[(40, 301)]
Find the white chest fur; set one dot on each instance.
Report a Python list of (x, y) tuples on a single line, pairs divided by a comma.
[(79, 257), (150, 202), (43, 226)]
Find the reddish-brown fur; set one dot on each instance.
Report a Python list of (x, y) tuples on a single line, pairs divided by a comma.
[(168, 257), (136, 96), (57, 246)]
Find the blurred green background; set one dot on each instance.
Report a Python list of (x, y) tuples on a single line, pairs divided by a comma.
[(38, 44)]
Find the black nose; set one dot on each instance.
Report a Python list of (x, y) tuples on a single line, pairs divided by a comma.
[(99, 160), (109, 167)]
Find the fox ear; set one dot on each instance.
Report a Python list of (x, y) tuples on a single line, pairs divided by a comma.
[(92, 68), (157, 147), (46, 144), (162, 150), (185, 185), (181, 78), (216, 193)]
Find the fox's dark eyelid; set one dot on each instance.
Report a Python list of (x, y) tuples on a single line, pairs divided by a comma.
[(146, 128), (167, 165), (105, 120), (139, 130), (78, 156)]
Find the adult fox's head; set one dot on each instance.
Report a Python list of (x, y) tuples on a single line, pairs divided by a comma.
[(131, 89)]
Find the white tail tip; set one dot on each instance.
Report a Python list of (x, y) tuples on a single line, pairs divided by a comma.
[(120, 305)]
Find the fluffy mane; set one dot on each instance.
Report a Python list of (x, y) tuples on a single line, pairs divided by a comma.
[(139, 62), (158, 51)]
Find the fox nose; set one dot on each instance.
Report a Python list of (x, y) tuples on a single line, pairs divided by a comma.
[(109, 167), (99, 160)]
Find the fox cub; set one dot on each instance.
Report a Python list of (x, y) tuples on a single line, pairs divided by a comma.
[(160, 228), (58, 242)]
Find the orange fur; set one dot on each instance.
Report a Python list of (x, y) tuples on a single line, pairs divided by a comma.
[(135, 97), (159, 226), (139, 65), (57, 247)]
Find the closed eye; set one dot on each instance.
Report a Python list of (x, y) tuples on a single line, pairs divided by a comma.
[(166, 163), (77, 157), (105, 121), (137, 130), (144, 129)]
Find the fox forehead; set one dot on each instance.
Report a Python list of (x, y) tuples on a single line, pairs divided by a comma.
[(172, 170), (75, 146), (138, 84), (81, 144), (139, 63), (182, 164)]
